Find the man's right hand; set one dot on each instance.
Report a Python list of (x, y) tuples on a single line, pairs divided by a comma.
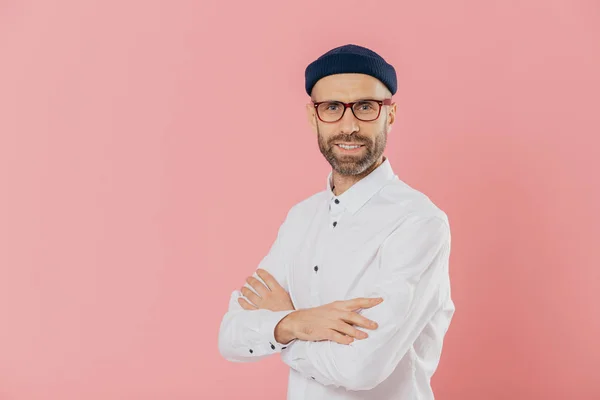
[(333, 321)]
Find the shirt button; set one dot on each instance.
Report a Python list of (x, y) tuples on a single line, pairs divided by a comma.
[(334, 223), (251, 351), (337, 201), (272, 346), (316, 268)]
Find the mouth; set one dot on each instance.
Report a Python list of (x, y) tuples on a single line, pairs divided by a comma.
[(349, 147)]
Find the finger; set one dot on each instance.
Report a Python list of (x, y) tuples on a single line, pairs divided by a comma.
[(358, 320), (250, 295), (338, 337), (361, 302), (261, 289), (268, 279), (349, 330), (245, 305)]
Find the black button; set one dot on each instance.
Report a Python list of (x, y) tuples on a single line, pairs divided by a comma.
[(334, 223), (337, 201), (312, 377), (316, 268), (284, 347), (251, 351), (272, 346)]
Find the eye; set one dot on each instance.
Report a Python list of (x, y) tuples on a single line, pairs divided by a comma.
[(365, 106), (331, 106)]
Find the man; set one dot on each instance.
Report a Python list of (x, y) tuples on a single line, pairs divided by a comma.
[(354, 293)]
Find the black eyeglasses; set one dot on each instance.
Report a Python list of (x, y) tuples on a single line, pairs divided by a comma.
[(364, 110)]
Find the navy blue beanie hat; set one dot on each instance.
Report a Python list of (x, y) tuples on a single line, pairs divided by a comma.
[(351, 59)]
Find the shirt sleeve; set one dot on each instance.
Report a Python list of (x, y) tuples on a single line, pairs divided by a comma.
[(248, 335), (414, 264)]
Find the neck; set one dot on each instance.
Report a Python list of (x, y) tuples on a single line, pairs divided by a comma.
[(341, 183)]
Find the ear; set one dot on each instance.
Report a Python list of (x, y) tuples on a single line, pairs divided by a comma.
[(311, 115), (391, 116)]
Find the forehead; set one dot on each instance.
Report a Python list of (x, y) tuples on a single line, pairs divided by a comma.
[(348, 87)]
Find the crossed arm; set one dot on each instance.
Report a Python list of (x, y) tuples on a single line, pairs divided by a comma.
[(410, 286)]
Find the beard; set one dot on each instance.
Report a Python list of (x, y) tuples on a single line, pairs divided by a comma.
[(353, 164)]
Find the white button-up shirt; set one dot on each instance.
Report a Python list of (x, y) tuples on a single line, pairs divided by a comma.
[(380, 238)]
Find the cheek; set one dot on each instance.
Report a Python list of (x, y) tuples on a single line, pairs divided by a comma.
[(326, 134)]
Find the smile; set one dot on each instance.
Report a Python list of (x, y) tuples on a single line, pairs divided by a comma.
[(349, 147)]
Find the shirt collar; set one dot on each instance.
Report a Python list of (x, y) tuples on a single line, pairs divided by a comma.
[(359, 193)]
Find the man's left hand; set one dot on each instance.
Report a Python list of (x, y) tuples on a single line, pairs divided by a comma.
[(271, 297)]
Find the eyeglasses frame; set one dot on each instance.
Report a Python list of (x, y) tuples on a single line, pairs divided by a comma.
[(381, 103)]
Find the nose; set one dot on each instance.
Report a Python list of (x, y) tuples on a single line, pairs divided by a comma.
[(348, 123)]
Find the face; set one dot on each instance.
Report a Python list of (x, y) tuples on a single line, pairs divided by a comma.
[(371, 136)]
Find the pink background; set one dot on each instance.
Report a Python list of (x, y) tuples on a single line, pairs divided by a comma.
[(144, 173)]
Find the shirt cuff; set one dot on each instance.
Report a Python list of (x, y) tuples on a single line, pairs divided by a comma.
[(267, 328), (296, 357)]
